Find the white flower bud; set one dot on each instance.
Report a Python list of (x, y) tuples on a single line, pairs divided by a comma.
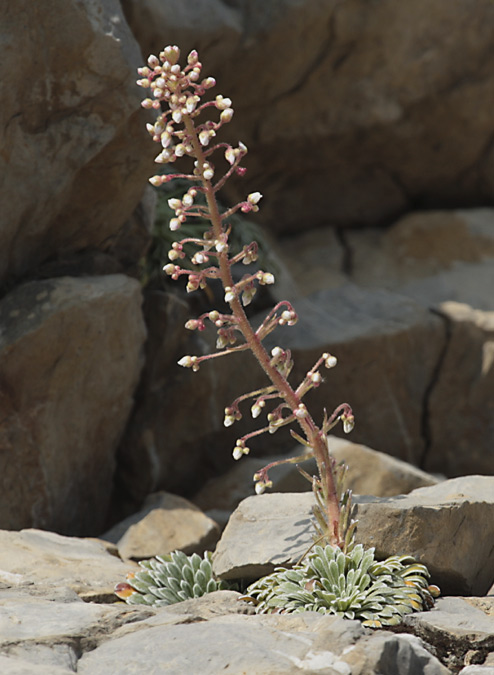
[(156, 180), (177, 116), (254, 197), (229, 294), (329, 360), (226, 115), (169, 269), (175, 224), (174, 204), (153, 61)]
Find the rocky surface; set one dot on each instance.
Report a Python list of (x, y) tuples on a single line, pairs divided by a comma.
[(70, 357), (75, 154), (369, 472), (58, 615), (342, 134), (165, 523), (448, 527)]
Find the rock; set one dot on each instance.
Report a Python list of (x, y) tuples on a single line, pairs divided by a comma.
[(461, 633), (175, 439), (42, 562), (70, 357), (343, 134), (465, 384), (222, 495), (259, 644), (448, 527), (76, 154), (374, 473), (165, 523), (421, 245), (376, 336), (369, 472)]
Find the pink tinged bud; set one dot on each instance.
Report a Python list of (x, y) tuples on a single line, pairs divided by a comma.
[(177, 116), (156, 181), (143, 83), (160, 82), (153, 61), (208, 83), (230, 155), (257, 409), (192, 58), (171, 54), (187, 200), (155, 104), (194, 75), (175, 224), (254, 197), (173, 255), (147, 103), (329, 360), (192, 324), (229, 294), (144, 72), (169, 269), (226, 115), (175, 204), (348, 423), (191, 103), (261, 487), (241, 170), (316, 378), (158, 93), (223, 103), (204, 138), (265, 278)]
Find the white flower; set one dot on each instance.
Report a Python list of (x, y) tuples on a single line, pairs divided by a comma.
[(254, 197)]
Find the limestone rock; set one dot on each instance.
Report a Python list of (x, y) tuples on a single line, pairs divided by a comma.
[(377, 337), (448, 527), (261, 644), (70, 357), (369, 472), (42, 562), (465, 384), (341, 133), (374, 473), (75, 152), (165, 523), (175, 438)]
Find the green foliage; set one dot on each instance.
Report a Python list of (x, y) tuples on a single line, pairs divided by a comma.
[(166, 580), (351, 585)]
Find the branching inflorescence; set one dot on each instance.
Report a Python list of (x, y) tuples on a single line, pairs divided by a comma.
[(177, 94)]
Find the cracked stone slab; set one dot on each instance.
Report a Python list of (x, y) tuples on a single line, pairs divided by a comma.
[(263, 645), (38, 561), (449, 527)]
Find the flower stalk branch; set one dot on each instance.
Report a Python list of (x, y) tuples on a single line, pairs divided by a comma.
[(177, 94)]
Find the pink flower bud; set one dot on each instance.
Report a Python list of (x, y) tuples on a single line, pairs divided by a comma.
[(153, 61), (175, 224), (192, 58), (147, 103)]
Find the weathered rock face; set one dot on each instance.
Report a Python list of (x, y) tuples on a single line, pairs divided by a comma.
[(165, 523), (448, 527), (75, 154), (70, 358), (339, 131)]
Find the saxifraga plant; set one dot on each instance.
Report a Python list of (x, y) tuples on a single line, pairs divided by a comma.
[(339, 578)]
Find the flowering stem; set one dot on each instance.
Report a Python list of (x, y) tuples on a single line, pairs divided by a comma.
[(307, 424)]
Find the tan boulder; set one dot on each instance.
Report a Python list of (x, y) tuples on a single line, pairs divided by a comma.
[(165, 523), (70, 358), (75, 152), (360, 123)]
